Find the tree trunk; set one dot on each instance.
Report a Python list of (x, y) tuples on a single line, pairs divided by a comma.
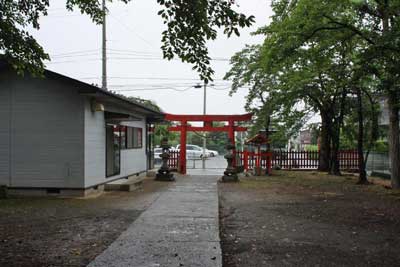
[(325, 148), (362, 178), (267, 124), (335, 164), (394, 145), (335, 133)]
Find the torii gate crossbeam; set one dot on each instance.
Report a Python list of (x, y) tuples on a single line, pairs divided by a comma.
[(207, 120)]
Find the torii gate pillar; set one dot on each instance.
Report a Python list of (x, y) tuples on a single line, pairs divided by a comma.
[(231, 133), (182, 153)]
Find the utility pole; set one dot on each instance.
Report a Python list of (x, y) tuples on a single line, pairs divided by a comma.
[(204, 134), (104, 49)]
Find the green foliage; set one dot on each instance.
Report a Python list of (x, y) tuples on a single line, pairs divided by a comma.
[(318, 56), (296, 72), (214, 140), (162, 131), (195, 138), (190, 24), (348, 135), (272, 108), (20, 49), (381, 146), (311, 147), (217, 141), (145, 102)]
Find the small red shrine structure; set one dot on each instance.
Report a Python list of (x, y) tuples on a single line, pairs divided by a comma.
[(207, 120), (262, 158)]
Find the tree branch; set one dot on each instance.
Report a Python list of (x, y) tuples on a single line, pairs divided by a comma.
[(354, 29), (315, 31)]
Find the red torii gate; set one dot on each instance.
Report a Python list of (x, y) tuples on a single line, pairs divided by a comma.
[(207, 120)]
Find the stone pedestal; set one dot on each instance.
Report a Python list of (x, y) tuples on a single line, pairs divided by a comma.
[(230, 173), (165, 176), (258, 171)]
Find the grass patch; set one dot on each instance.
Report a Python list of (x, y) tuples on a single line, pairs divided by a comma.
[(296, 178), (318, 181)]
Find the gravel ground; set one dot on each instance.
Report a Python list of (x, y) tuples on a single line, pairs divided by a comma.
[(308, 219), (67, 232)]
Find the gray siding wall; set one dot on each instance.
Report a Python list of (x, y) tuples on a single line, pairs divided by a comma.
[(132, 160), (47, 133), (5, 98), (95, 146)]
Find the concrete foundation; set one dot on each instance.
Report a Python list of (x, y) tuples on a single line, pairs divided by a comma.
[(55, 192)]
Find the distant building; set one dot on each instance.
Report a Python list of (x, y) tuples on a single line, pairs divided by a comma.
[(300, 141), (384, 115), (305, 139), (61, 135)]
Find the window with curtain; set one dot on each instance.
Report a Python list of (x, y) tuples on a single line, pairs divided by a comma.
[(134, 137)]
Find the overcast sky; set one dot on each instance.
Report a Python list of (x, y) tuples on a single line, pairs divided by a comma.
[(135, 64)]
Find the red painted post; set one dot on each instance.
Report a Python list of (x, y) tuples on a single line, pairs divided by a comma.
[(245, 160), (182, 148), (269, 165), (258, 158), (231, 133), (231, 136)]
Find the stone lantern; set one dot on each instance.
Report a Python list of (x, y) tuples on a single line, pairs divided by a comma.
[(164, 173), (230, 173)]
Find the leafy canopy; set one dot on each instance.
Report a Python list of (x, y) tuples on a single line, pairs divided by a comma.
[(307, 63)]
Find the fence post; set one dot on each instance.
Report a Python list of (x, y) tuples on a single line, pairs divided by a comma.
[(269, 161), (245, 160)]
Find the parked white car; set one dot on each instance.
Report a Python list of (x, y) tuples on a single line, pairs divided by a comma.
[(212, 153), (193, 151)]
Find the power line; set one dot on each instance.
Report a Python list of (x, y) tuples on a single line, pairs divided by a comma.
[(150, 85), (123, 59), (150, 78), (165, 84), (221, 89), (131, 30), (110, 53), (75, 52), (153, 89), (161, 88), (118, 51), (64, 16), (123, 52), (96, 53), (133, 51)]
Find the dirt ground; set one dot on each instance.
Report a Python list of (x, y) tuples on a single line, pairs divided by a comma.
[(308, 219), (67, 232)]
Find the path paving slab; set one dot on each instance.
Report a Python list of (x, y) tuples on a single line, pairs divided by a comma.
[(179, 229)]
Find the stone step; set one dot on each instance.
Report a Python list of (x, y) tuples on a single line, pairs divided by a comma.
[(131, 184)]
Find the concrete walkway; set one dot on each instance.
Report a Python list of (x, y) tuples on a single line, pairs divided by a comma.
[(179, 229)]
